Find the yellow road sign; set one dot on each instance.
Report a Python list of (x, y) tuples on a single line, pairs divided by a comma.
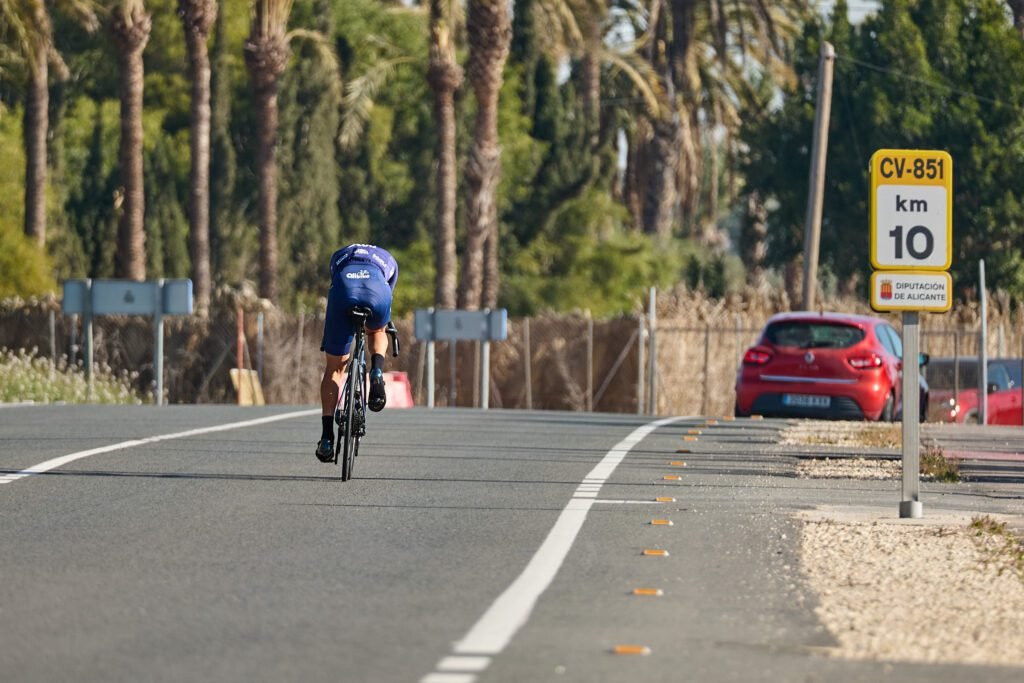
[(911, 210)]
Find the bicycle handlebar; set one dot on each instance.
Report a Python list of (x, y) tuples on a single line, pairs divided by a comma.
[(393, 335)]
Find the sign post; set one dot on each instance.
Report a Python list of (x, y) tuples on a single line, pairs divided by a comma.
[(911, 250), (128, 297), (485, 326)]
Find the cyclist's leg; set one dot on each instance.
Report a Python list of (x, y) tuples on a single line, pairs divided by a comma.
[(377, 343), (336, 342)]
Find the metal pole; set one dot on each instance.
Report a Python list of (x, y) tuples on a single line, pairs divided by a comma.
[(642, 334), (430, 373), (816, 181), (476, 372), (910, 503), (983, 349), (652, 355), (527, 362), (956, 367), (485, 374), (452, 393), (87, 319), (590, 363), (158, 343)]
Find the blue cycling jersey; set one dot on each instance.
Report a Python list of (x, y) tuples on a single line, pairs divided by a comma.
[(366, 253)]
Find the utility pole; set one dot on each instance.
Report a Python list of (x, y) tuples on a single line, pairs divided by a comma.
[(816, 182)]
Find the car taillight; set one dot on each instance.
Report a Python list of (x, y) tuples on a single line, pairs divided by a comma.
[(871, 360), (756, 356)]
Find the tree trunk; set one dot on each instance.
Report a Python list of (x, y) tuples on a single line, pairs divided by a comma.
[(130, 36), (266, 172), (492, 269), (266, 59), (37, 105), (489, 35), (197, 18), (753, 239), (661, 201), (445, 77), (1017, 8)]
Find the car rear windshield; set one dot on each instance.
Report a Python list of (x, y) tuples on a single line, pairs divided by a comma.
[(813, 335)]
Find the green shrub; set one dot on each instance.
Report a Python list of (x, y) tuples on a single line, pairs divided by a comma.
[(27, 377)]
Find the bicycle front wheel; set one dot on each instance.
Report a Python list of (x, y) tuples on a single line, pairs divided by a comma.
[(350, 443)]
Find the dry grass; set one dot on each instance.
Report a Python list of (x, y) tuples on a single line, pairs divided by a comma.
[(936, 465), (1003, 547)]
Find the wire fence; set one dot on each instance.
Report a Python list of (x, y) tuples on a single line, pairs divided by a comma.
[(551, 362)]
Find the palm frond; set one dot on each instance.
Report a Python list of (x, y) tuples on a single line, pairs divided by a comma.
[(359, 99), (321, 45), (640, 74)]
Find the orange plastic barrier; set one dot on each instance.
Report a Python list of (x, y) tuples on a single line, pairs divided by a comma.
[(398, 389)]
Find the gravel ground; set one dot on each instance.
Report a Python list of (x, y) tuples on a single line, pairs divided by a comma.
[(932, 590), (849, 468), (926, 590)]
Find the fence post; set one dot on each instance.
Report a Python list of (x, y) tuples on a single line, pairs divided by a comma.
[(707, 369), (590, 363), (53, 337), (259, 345), (956, 366), (652, 355), (527, 362), (641, 333), (239, 348)]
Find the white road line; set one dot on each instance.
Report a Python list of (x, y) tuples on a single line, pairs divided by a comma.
[(71, 457), (448, 678), (463, 664), (511, 610)]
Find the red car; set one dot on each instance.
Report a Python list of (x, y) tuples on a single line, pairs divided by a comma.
[(955, 399), (824, 365)]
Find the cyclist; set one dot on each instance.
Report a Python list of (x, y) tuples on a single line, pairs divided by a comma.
[(361, 275)]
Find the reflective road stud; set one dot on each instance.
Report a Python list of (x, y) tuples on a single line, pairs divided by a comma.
[(689, 438), (661, 522), (683, 450), (655, 553), (712, 423), (672, 477), (665, 499), (631, 650), (677, 463), (694, 432), (648, 592)]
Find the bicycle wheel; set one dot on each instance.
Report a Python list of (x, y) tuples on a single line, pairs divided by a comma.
[(351, 440)]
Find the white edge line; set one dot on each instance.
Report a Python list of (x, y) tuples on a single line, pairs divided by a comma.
[(510, 611), (54, 463)]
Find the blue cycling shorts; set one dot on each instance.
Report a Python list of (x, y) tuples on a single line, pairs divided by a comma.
[(357, 284)]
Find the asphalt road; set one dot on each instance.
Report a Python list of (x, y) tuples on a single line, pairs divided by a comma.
[(471, 546)]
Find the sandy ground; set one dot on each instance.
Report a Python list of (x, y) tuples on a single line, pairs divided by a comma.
[(927, 590), (932, 590)]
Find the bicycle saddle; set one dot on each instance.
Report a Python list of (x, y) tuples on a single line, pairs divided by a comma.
[(360, 312)]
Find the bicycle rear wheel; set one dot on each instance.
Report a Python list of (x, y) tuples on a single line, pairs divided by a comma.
[(351, 441)]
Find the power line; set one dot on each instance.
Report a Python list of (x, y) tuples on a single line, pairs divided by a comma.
[(921, 81)]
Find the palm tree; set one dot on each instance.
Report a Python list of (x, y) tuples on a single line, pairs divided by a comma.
[(267, 52), (29, 35), (705, 51), (266, 56), (490, 33), (445, 77), (197, 18), (130, 26)]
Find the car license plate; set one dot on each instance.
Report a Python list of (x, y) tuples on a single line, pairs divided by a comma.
[(806, 400)]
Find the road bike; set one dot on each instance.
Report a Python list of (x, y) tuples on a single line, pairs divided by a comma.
[(350, 413)]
